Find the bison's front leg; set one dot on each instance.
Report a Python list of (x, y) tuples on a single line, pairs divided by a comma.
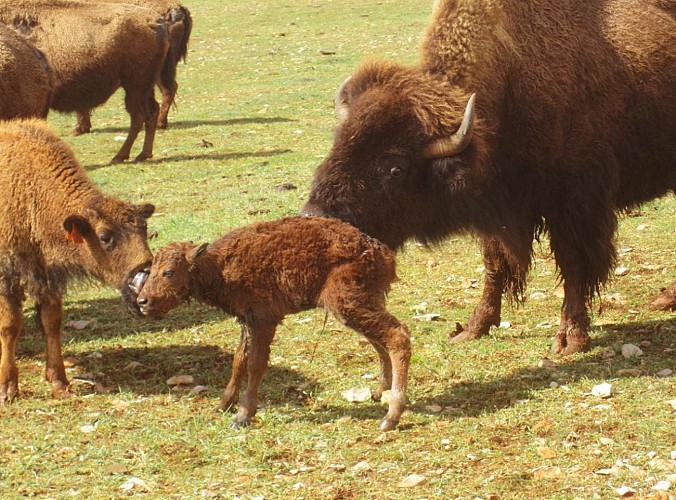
[(573, 333), (487, 312), (51, 315), (262, 333), (10, 326)]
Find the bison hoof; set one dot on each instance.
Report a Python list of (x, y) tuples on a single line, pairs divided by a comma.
[(8, 392), (78, 131), (142, 157), (388, 424), (571, 344), (464, 336), (117, 160), (239, 422), (61, 390), (162, 125)]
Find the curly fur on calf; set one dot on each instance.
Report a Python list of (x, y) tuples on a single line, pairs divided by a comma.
[(261, 273)]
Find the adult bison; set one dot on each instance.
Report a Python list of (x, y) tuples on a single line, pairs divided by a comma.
[(93, 50), (574, 120), (179, 24), (25, 78), (56, 226)]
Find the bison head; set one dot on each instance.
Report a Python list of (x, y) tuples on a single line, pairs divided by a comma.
[(111, 238), (168, 285), (404, 155)]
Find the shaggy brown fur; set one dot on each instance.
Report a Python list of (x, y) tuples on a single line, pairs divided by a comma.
[(25, 78), (56, 226), (93, 50), (575, 121), (261, 273), (179, 23)]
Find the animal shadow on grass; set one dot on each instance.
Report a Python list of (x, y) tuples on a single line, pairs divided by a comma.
[(145, 370), (475, 398), (188, 124)]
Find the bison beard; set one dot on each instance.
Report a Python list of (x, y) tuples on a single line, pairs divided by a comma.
[(575, 120)]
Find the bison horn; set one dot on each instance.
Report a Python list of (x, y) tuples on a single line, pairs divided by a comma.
[(456, 143), (342, 101)]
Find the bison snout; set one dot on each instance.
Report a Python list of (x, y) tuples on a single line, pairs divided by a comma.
[(310, 209)]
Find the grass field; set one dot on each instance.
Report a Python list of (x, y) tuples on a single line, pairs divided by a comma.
[(485, 420)]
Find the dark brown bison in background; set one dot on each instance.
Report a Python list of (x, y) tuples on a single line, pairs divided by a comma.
[(574, 120), (179, 24), (25, 78), (56, 226), (93, 50), (261, 273)]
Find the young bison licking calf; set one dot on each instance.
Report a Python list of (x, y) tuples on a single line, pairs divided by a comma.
[(261, 273)]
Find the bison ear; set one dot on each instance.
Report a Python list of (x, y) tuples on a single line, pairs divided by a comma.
[(77, 228), (342, 101), (145, 210), (194, 254)]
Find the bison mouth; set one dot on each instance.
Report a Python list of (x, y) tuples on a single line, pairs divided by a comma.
[(132, 287)]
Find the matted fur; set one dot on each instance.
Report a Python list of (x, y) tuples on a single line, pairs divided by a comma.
[(261, 273)]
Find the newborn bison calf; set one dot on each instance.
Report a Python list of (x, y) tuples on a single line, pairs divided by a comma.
[(261, 273)]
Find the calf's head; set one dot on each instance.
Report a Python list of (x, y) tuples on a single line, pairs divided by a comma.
[(404, 148), (168, 285), (111, 240)]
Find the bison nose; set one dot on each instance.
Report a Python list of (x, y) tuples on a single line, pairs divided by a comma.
[(142, 301), (311, 209)]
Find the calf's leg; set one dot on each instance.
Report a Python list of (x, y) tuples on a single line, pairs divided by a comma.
[(239, 366), (10, 326), (51, 316), (84, 122), (364, 311), (262, 331)]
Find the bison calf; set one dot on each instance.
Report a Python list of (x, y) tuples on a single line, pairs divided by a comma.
[(261, 273)]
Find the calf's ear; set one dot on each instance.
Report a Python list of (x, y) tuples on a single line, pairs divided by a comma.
[(145, 210), (194, 254), (77, 228)]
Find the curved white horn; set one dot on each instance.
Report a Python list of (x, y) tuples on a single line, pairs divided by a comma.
[(456, 143), (342, 102)]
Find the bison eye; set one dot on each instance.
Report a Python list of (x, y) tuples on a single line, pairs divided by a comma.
[(168, 273), (105, 238), (396, 171)]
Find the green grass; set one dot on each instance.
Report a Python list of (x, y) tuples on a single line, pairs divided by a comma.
[(259, 87)]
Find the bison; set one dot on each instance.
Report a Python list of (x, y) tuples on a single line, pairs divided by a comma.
[(521, 119), (261, 273), (25, 78), (95, 49), (179, 24), (56, 226)]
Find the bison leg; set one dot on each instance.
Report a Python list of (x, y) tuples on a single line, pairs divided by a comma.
[(260, 338), (487, 312), (83, 124), (138, 110), (168, 87), (150, 129), (231, 393), (365, 313), (51, 315), (10, 326), (572, 336)]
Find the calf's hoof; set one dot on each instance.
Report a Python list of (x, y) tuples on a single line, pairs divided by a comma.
[(565, 345), (388, 424), (240, 421), (79, 131), (118, 159), (8, 392)]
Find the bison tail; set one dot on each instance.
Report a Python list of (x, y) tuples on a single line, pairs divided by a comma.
[(183, 15)]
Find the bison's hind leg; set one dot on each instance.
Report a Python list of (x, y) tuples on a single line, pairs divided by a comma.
[(363, 310), (51, 316), (10, 326), (230, 395)]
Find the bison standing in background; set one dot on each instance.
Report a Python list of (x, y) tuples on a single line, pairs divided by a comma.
[(56, 226), (574, 120), (179, 24), (95, 49), (261, 273), (25, 78)]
